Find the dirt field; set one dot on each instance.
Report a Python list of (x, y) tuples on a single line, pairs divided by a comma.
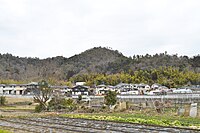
[(63, 125)]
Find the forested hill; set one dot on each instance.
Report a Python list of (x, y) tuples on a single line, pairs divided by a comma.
[(95, 60)]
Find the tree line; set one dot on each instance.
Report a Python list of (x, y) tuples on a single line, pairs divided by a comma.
[(168, 76)]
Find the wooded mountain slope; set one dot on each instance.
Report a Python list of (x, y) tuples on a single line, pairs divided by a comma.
[(95, 60)]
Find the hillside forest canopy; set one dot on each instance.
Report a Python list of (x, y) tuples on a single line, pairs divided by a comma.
[(102, 65)]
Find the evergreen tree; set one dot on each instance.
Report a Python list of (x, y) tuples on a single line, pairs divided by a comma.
[(111, 98)]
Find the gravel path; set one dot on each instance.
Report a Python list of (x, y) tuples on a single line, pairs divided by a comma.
[(68, 125)]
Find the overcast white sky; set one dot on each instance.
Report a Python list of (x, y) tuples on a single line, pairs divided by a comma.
[(48, 28)]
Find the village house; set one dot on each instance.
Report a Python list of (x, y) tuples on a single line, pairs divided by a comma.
[(157, 89), (62, 90), (182, 90), (135, 86), (1, 88), (79, 83), (103, 89), (143, 88), (31, 88), (12, 89), (132, 90), (155, 86), (123, 87), (80, 90), (194, 88)]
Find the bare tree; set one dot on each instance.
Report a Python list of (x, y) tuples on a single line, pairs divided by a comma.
[(158, 106), (43, 94)]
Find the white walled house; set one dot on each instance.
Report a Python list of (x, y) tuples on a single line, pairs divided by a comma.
[(9, 89), (135, 86), (131, 92), (103, 89), (80, 83), (80, 90), (158, 90), (155, 86), (19, 89), (154, 92), (13, 89), (182, 90), (31, 88), (143, 88), (63, 90), (1, 88), (123, 87)]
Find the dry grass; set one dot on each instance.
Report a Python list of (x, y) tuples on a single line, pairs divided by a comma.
[(13, 100), (21, 107), (27, 114), (17, 106)]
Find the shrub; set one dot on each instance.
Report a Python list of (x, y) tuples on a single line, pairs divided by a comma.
[(39, 108), (111, 98), (68, 103), (61, 103), (23, 103), (2, 100), (79, 99)]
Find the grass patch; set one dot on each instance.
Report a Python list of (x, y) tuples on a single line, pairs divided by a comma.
[(141, 119), (18, 108), (4, 131), (166, 117)]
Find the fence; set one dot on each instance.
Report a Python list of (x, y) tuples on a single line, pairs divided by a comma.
[(175, 98)]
